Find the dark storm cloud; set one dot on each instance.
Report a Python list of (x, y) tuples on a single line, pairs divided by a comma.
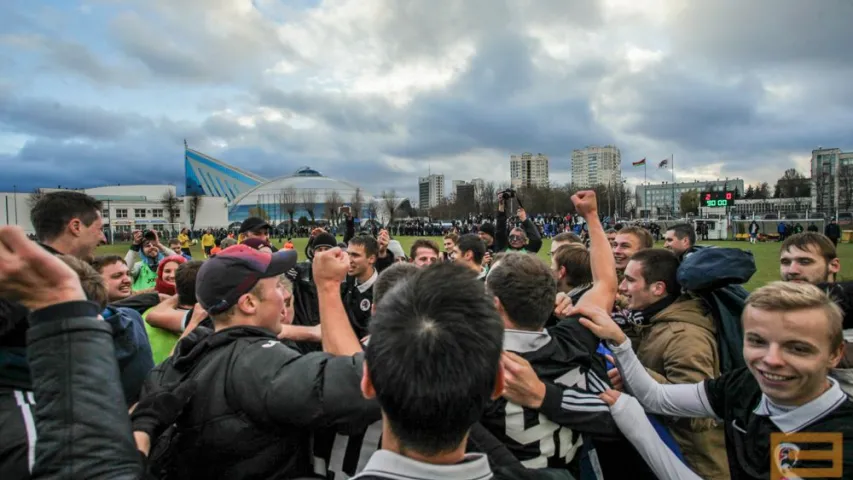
[(52, 119), (351, 113)]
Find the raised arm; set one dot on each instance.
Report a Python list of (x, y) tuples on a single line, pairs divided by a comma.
[(330, 268), (603, 291)]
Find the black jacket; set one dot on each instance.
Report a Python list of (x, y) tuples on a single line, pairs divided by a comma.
[(257, 403), (83, 431)]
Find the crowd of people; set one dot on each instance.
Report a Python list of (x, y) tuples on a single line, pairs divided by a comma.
[(468, 360)]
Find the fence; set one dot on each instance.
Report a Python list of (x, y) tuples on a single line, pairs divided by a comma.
[(771, 227)]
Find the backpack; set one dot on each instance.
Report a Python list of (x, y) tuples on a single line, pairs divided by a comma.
[(716, 275)]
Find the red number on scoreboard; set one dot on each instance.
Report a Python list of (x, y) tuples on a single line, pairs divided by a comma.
[(728, 196), (707, 196)]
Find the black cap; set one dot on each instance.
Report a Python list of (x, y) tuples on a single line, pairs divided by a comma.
[(488, 229), (233, 272), (252, 224), (324, 239)]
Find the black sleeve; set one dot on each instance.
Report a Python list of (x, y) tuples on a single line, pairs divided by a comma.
[(534, 243), (384, 262), (316, 390), (83, 426), (140, 303), (501, 240), (729, 386)]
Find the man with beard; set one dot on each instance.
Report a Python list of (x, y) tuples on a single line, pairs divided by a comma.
[(809, 258), (116, 276)]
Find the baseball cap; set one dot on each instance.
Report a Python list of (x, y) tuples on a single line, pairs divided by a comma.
[(256, 243), (253, 223), (233, 272)]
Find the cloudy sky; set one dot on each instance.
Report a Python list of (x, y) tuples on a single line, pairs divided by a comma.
[(98, 92)]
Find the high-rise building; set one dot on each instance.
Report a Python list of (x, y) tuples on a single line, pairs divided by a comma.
[(527, 170), (596, 166), (479, 185), (831, 180), (431, 190)]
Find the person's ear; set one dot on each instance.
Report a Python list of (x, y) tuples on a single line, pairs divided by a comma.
[(499, 383), (834, 265), (367, 389)]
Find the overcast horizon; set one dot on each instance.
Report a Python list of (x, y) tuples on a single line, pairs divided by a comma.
[(378, 92)]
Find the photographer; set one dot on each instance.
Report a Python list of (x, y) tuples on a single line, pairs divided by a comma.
[(520, 239), (144, 272)]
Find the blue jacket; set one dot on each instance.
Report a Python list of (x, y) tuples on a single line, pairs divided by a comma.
[(132, 349)]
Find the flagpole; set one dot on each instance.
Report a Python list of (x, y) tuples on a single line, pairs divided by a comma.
[(645, 186), (672, 166)]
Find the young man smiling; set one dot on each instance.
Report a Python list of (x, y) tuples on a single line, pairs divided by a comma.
[(792, 339)]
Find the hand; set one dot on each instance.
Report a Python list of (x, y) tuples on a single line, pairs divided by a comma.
[(137, 237), (33, 276), (383, 240), (563, 305), (330, 267), (614, 376), (610, 397), (501, 206), (586, 204), (156, 238), (487, 259), (598, 321), (199, 314), (523, 386), (522, 215)]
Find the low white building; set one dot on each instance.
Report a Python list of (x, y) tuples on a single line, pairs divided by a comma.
[(127, 208)]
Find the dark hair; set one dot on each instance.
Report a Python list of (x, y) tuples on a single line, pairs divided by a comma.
[(53, 211), (471, 242), (823, 246), (433, 357), (185, 281), (525, 287), (217, 242), (575, 259), (641, 234), (371, 246), (423, 243), (659, 265), (390, 278), (610, 230), (92, 282), (103, 261), (566, 237), (682, 230)]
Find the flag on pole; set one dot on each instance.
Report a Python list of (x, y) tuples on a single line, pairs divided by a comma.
[(664, 163), (639, 163)]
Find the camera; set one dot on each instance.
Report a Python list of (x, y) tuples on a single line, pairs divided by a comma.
[(507, 194), (149, 235)]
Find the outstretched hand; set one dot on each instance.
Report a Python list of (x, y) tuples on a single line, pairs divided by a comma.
[(598, 321), (33, 276)]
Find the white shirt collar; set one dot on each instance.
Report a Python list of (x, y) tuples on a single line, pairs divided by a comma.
[(362, 287), (523, 341), (387, 464), (807, 414)]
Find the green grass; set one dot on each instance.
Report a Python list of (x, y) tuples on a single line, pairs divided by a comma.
[(766, 255)]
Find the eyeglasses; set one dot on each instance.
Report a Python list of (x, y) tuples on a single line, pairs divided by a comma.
[(515, 238)]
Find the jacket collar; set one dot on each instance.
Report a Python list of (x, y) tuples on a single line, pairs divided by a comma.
[(363, 287), (523, 341), (807, 414), (387, 464)]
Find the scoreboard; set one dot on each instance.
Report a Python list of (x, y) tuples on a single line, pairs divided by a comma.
[(717, 199)]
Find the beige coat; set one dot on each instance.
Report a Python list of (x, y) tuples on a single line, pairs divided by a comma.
[(679, 345)]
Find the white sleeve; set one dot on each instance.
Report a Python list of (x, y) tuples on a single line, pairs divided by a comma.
[(632, 421), (684, 400)]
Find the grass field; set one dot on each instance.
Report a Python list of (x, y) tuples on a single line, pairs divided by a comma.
[(766, 255)]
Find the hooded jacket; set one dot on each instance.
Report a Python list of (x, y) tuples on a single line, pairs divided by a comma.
[(679, 345), (257, 404)]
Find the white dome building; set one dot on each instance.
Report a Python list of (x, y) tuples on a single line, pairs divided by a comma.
[(304, 192)]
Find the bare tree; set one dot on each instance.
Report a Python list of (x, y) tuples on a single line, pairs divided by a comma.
[(34, 197), (259, 211), (356, 203), (309, 202), (288, 202), (389, 201), (333, 205), (488, 198), (193, 204), (171, 204)]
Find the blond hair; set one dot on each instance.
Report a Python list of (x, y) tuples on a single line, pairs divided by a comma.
[(792, 296)]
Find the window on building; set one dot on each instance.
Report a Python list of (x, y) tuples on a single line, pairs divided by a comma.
[(105, 213), (121, 213), (139, 213), (157, 213)]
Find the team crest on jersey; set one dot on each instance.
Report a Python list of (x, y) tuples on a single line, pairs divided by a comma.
[(364, 305), (787, 455)]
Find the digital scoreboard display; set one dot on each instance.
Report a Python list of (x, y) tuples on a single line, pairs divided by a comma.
[(717, 199)]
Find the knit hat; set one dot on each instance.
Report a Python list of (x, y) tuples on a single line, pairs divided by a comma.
[(488, 229)]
